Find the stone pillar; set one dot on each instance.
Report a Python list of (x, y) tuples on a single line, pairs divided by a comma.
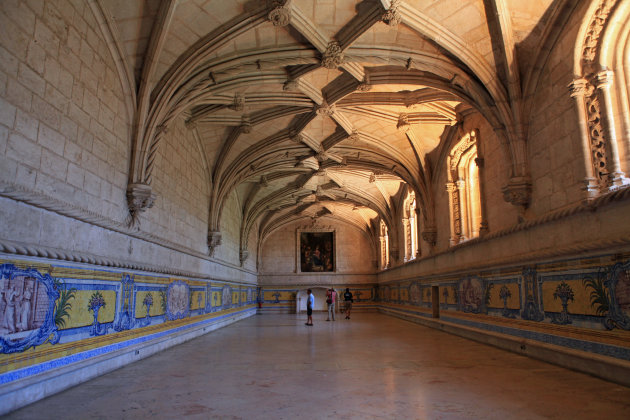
[(407, 235), (616, 177), (579, 88), (450, 188), (463, 216), (417, 222)]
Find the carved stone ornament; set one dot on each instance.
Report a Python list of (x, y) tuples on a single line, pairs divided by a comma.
[(403, 123), (214, 240), (392, 16), (139, 198), (243, 255), (518, 191), (246, 125), (333, 56), (326, 110), (239, 102), (430, 236), (280, 15)]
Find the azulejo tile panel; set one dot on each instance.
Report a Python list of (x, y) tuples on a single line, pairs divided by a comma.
[(51, 311)]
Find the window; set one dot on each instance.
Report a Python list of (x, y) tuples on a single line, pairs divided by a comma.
[(463, 190)]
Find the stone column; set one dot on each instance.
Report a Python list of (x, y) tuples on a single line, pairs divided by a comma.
[(407, 235), (463, 216), (450, 188), (616, 177), (417, 222), (579, 89)]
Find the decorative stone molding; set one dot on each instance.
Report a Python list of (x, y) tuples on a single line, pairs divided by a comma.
[(246, 124), (518, 191), (333, 56), (214, 240), (403, 123), (326, 110), (392, 16), (596, 26), (354, 137), (139, 199), (239, 102), (280, 14)]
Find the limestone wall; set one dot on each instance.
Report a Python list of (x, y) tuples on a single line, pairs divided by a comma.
[(64, 119), (553, 142), (279, 261)]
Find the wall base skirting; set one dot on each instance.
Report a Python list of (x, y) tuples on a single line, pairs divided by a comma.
[(22, 392), (608, 368)]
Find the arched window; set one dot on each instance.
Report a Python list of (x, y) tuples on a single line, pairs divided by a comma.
[(601, 90), (463, 189), (384, 246)]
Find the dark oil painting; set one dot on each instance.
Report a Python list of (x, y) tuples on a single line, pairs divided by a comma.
[(317, 251)]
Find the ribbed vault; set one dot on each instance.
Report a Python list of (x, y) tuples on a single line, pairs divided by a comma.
[(309, 108)]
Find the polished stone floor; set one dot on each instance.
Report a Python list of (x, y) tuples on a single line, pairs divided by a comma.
[(370, 367)]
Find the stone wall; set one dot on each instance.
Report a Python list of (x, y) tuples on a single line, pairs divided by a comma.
[(279, 259)]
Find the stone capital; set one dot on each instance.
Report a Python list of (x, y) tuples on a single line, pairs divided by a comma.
[(604, 79), (579, 87)]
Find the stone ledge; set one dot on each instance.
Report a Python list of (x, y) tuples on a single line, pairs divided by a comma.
[(22, 392), (608, 368)]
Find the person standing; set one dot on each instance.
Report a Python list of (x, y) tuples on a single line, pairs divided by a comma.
[(310, 302), (347, 297), (331, 297)]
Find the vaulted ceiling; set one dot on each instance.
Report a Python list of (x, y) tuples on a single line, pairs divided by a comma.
[(322, 107)]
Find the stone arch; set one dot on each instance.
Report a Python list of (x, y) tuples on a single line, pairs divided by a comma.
[(601, 94)]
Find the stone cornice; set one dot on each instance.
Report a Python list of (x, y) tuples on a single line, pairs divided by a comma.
[(596, 204)]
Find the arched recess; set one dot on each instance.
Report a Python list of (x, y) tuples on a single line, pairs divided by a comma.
[(267, 229), (600, 89), (463, 188)]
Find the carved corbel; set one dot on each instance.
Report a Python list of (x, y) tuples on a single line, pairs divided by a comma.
[(429, 235), (139, 198), (243, 254), (214, 240), (518, 192), (333, 56)]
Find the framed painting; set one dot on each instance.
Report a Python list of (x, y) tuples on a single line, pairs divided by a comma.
[(317, 251)]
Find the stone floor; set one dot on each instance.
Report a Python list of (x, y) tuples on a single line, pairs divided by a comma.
[(370, 367)]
